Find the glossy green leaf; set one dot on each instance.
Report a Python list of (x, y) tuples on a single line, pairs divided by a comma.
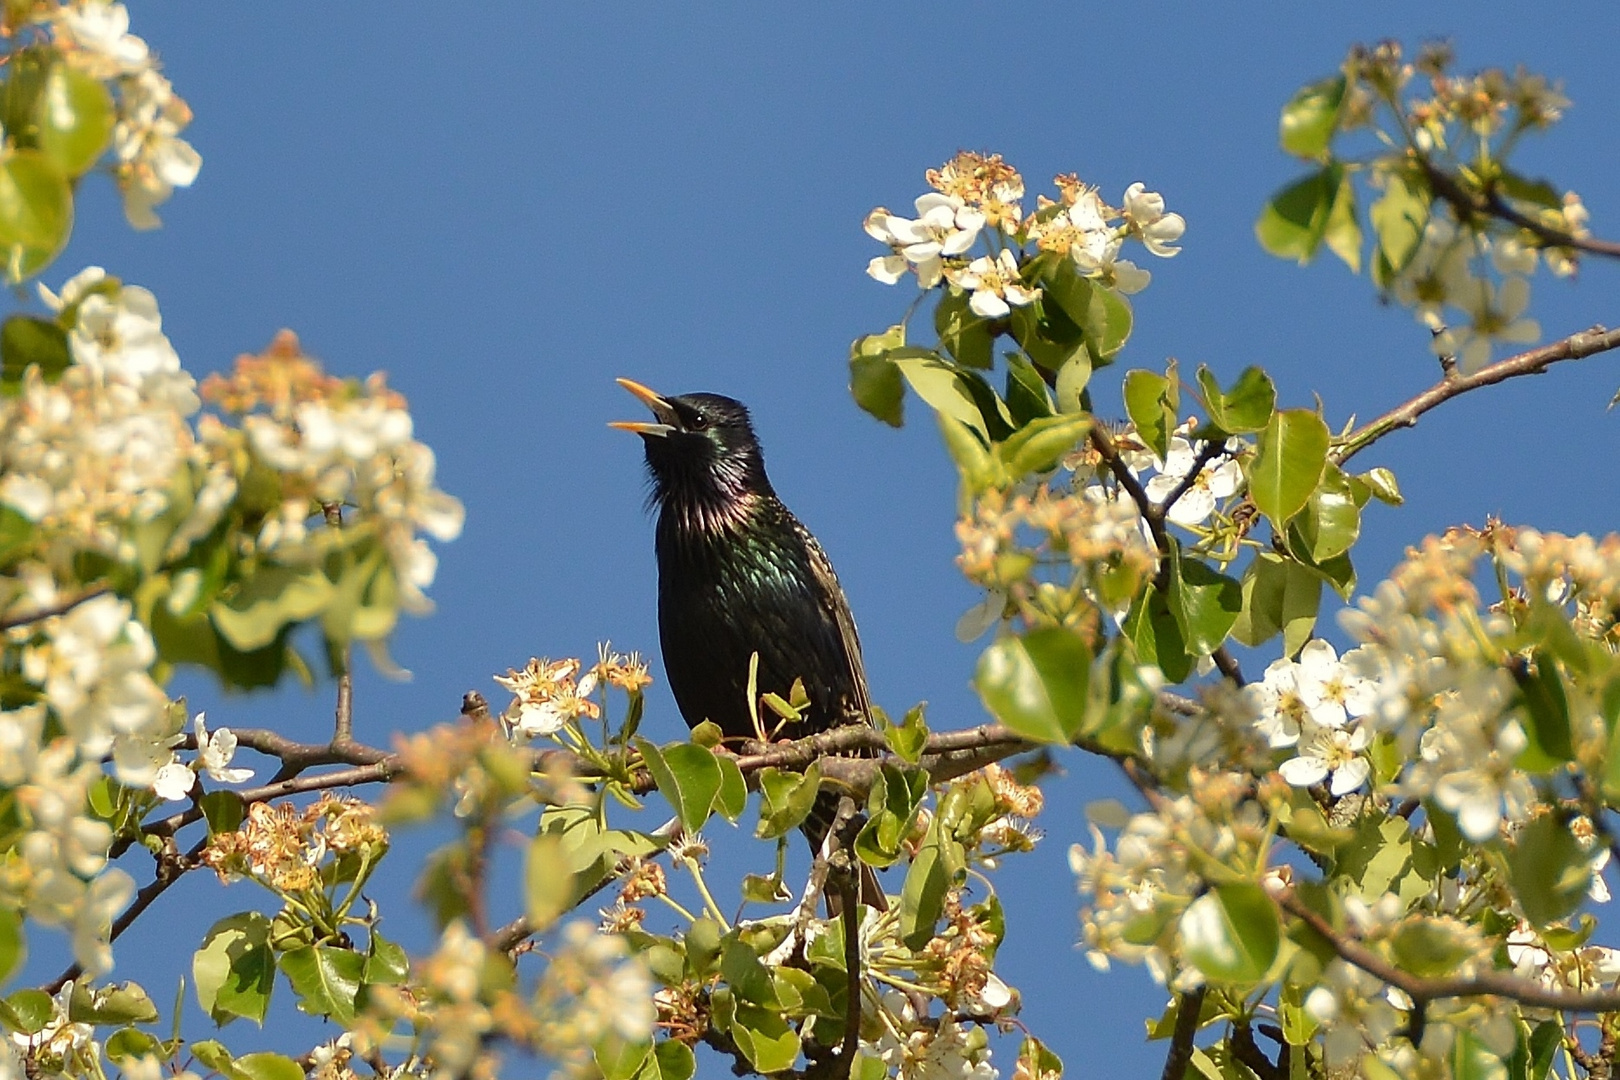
[(28, 341), (675, 1060), (212, 1054), (326, 979), (963, 333), (1036, 683), (1471, 1059), (1102, 315), (945, 390), (1151, 401), (36, 213), (1232, 933), (548, 881), (75, 117), (619, 1059), (1343, 232), (127, 1044), (251, 615), (764, 1037), (1310, 118), (786, 799), (1292, 224), (1204, 602), (235, 970), (748, 978), (1247, 407), (223, 812), (877, 387), (1279, 596), (28, 1010), (1541, 688), (1399, 217), (1040, 445), (1288, 465), (1331, 521), (1381, 482), (1551, 871), (386, 962), (687, 775), (1152, 629)]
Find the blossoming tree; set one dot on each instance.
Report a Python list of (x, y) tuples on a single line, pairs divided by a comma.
[(1380, 863)]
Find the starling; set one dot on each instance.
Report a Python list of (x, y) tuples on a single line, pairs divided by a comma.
[(739, 575)]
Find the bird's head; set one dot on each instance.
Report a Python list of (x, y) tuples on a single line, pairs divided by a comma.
[(701, 448)]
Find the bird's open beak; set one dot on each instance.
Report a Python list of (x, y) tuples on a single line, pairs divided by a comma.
[(653, 400)]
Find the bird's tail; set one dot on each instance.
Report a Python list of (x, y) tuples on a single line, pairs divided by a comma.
[(815, 829)]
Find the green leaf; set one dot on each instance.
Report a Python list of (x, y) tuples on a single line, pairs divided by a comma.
[(873, 380), (747, 977), (1072, 378), (1541, 688), (1279, 596), (907, 738), (36, 213), (1331, 521), (1102, 315), (75, 117), (963, 333), (891, 807), (687, 775), (1431, 948), (1232, 933), (1381, 482), (1399, 217), (1246, 407), (1292, 224), (786, 799), (1288, 465), (548, 881), (127, 1044), (619, 1059), (675, 1060), (125, 1003), (1204, 602), (13, 943), (1036, 683), (1152, 628), (1343, 231), (979, 470), (17, 537), (222, 810), (764, 1037), (1310, 118), (28, 1010), (1471, 1059), (1540, 193), (945, 390), (266, 1066), (386, 962), (250, 615), (1151, 400), (1040, 445), (235, 970), (928, 880), (1027, 396), (326, 979), (26, 340), (732, 798)]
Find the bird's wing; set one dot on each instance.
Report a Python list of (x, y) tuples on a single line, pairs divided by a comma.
[(832, 597)]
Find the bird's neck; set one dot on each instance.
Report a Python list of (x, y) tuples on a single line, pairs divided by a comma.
[(690, 517)]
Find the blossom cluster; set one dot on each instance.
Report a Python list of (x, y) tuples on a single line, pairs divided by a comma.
[(915, 1047), (284, 847), (1452, 269), (332, 443), (547, 694), (979, 196), (150, 157)]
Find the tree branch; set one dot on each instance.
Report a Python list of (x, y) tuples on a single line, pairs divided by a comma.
[(1421, 990), (1492, 204), (61, 607), (1575, 347), (1189, 1007)]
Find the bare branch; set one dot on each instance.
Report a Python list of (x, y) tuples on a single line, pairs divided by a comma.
[(62, 607), (1575, 347), (1492, 204), (1421, 990), (1189, 1007)]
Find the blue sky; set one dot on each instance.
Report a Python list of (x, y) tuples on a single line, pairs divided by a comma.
[(509, 207)]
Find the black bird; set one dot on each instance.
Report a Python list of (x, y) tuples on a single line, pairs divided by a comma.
[(738, 575)]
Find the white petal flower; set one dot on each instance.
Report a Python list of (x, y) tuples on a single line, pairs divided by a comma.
[(214, 753), (174, 781), (1144, 214)]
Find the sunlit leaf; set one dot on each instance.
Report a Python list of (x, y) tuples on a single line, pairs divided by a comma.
[(1036, 683), (1292, 224), (1288, 465), (1232, 933), (1309, 119)]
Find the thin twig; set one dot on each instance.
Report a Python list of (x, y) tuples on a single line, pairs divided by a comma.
[(61, 607), (1419, 989), (1492, 204), (1189, 1007), (1534, 362)]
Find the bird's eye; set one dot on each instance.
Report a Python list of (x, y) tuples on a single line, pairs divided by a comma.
[(699, 421)]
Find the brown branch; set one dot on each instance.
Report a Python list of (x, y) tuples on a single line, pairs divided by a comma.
[(1189, 1007), (1422, 990), (1490, 203), (61, 607), (1534, 362)]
